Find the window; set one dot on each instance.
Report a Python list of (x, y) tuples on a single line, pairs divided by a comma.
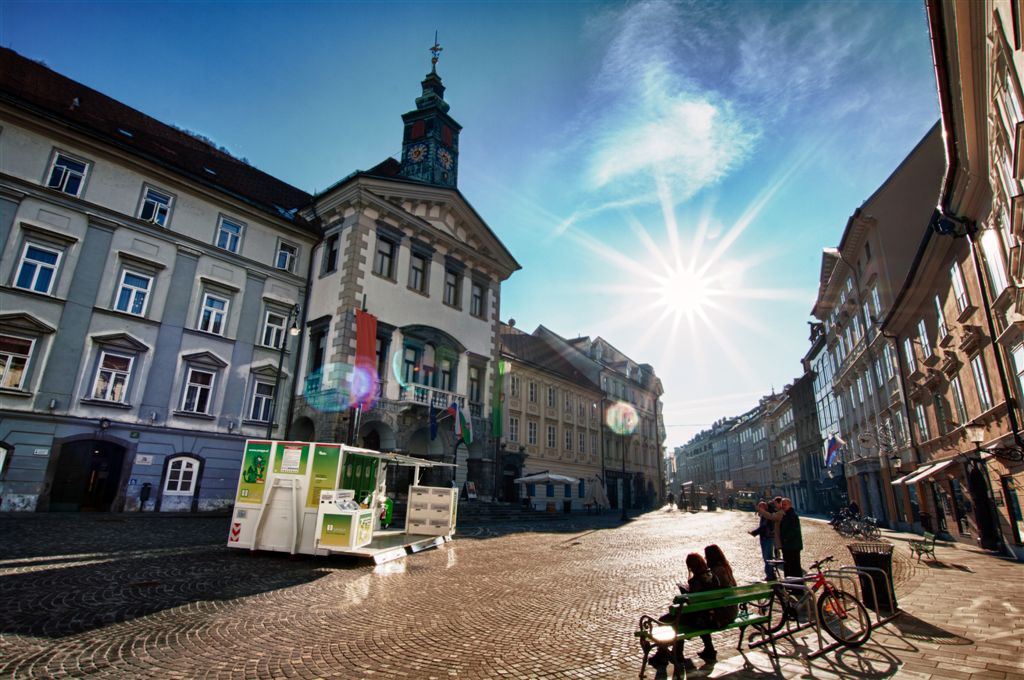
[(922, 334), (476, 301), (287, 254), (182, 473), (568, 439), (942, 419), (876, 303), (568, 402), (533, 392), (922, 422), (452, 284), (994, 260), (583, 442), (444, 374), (887, 355), (551, 436), (514, 382), (14, 354), (37, 270), (958, 400), (156, 207), (943, 330), (418, 273), (273, 329), (213, 314), (551, 397), (112, 377), (262, 408), (330, 262), (908, 355), (410, 365), (878, 374), (229, 235), (981, 383), (384, 259), (474, 384), (513, 429), (593, 443), (133, 293), (67, 175), (198, 391), (959, 290), (531, 433)]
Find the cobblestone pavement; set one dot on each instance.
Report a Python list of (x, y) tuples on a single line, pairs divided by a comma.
[(161, 597)]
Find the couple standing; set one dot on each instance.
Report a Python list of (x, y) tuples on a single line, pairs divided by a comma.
[(779, 530)]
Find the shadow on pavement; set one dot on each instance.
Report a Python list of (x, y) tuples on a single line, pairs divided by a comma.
[(63, 574), (913, 628)]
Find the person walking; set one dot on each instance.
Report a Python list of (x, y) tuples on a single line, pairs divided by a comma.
[(765, 533), (789, 534)]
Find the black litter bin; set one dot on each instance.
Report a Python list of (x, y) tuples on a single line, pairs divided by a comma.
[(878, 556)]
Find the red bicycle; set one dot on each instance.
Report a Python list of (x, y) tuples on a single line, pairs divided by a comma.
[(840, 614)]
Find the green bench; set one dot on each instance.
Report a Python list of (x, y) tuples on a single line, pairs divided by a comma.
[(925, 547), (670, 635)]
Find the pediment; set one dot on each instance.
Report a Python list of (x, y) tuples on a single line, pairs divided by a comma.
[(437, 216), (26, 323), (205, 359), (120, 341), (267, 370)]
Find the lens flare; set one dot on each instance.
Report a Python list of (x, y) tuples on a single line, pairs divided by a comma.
[(335, 387), (621, 418), (363, 387)]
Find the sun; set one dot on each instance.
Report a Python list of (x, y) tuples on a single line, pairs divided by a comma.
[(684, 292)]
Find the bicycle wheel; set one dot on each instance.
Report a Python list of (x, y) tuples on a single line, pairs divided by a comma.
[(872, 532), (778, 608), (844, 618)]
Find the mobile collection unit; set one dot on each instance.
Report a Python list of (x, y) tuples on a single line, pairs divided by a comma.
[(322, 498)]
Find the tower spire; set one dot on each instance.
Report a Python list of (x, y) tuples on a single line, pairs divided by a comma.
[(435, 51)]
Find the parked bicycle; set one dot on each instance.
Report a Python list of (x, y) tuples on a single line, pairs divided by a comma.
[(851, 527), (840, 614)]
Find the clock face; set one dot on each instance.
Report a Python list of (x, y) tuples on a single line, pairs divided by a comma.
[(445, 158), (418, 153)]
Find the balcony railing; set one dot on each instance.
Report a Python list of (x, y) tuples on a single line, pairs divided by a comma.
[(430, 396)]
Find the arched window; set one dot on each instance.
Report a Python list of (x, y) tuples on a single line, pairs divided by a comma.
[(182, 472)]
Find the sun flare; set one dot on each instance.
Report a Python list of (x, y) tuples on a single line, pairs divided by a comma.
[(684, 292)]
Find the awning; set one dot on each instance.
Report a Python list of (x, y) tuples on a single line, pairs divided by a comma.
[(900, 480), (927, 471), (546, 478)]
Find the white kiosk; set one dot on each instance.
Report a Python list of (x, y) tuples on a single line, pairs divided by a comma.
[(323, 498)]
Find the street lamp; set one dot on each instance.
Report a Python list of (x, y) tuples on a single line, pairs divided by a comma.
[(293, 330)]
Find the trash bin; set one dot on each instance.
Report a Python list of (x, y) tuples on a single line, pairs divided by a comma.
[(877, 556)]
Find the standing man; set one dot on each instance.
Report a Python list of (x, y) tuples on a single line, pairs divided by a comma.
[(790, 536), (765, 533)]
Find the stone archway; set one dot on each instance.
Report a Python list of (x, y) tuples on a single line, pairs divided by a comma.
[(87, 473), (377, 435), (303, 430)]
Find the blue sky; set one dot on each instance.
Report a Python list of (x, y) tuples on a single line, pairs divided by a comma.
[(667, 173)]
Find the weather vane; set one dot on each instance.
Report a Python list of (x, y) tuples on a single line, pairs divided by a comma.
[(436, 51)]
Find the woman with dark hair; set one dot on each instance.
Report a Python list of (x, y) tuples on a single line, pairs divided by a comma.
[(722, 616), (701, 578)]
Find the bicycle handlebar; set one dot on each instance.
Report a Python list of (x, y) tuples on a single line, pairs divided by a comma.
[(817, 565)]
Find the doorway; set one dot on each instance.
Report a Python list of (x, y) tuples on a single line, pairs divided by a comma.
[(88, 476)]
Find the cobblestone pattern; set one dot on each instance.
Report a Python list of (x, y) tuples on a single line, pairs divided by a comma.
[(165, 598)]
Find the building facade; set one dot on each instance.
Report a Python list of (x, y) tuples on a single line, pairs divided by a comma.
[(147, 280)]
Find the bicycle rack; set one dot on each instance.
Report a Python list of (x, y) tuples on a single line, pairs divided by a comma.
[(790, 630), (846, 579)]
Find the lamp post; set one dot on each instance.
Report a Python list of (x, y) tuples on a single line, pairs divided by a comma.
[(293, 330), (624, 435)]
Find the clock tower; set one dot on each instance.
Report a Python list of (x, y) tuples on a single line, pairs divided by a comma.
[(430, 142)]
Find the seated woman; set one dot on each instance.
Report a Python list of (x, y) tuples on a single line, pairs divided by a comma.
[(701, 578), (722, 616)]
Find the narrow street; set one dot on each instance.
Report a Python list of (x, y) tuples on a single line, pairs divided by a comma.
[(135, 596)]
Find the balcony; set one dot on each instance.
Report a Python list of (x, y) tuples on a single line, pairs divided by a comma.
[(971, 340), (430, 396)]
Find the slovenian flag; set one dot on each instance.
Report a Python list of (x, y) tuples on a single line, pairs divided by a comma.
[(463, 426), (834, 444)]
